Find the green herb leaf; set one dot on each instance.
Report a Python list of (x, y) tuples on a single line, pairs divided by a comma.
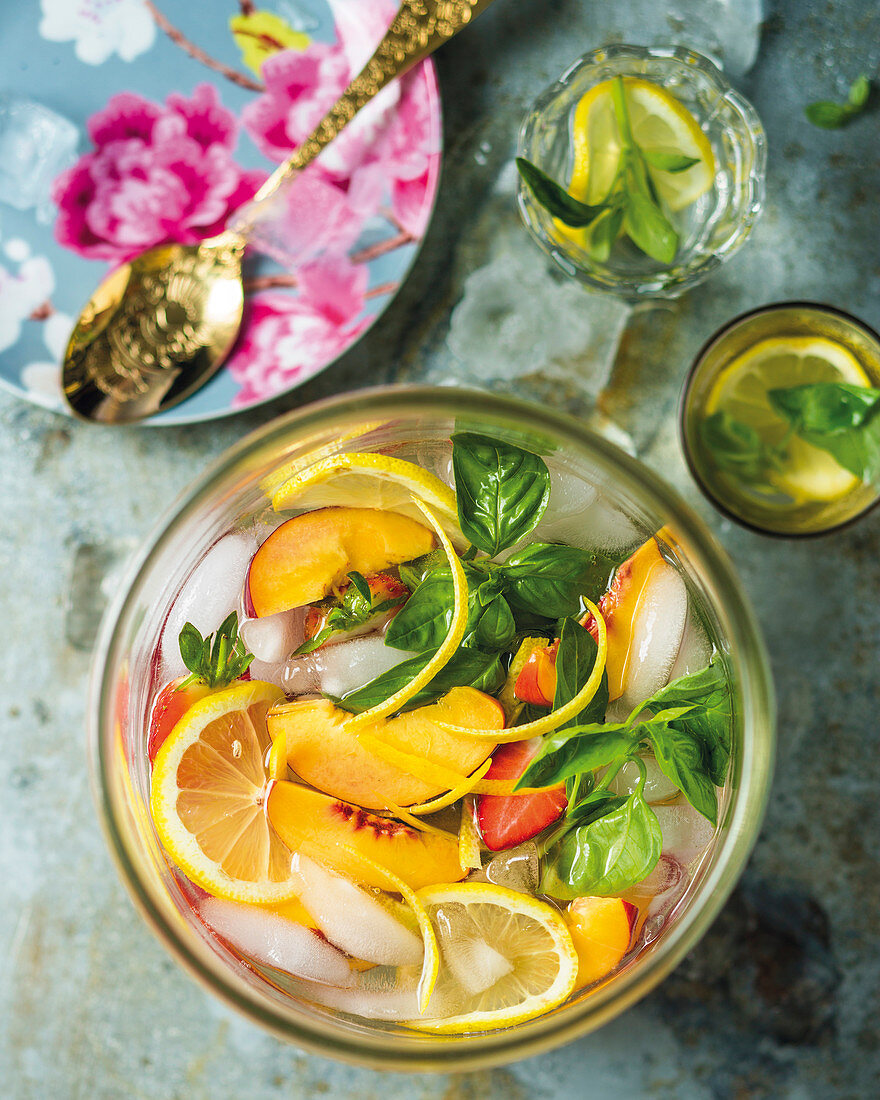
[(412, 573), (650, 229), (669, 162), (360, 587), (502, 490), (423, 622), (604, 231), (574, 750), (829, 115), (605, 856), (554, 198), (496, 628), (217, 659), (467, 668), (681, 756), (576, 657), (838, 418), (707, 718), (549, 579), (735, 447)]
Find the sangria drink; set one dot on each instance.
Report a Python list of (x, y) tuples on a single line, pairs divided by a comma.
[(779, 418), (438, 735)]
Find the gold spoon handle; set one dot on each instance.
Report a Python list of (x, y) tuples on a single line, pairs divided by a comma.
[(419, 27)]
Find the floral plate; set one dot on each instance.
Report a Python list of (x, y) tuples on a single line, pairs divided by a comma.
[(187, 108)]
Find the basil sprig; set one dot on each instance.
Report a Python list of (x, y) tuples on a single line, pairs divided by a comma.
[(836, 417), (217, 659), (607, 842), (356, 609), (502, 491), (829, 115), (631, 205)]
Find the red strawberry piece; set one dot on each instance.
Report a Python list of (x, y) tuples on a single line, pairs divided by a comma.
[(171, 704), (508, 820)]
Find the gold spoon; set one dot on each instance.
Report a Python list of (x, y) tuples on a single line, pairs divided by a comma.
[(160, 326)]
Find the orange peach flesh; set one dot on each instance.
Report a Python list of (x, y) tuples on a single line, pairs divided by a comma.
[(323, 753), (323, 828), (601, 930), (306, 557)]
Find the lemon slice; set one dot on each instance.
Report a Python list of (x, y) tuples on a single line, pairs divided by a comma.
[(780, 362), (506, 957), (660, 124), (371, 481), (208, 797)]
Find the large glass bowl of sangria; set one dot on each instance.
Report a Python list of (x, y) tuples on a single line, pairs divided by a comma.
[(430, 730)]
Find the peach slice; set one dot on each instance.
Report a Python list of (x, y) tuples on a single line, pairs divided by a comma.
[(334, 832), (601, 930), (325, 754), (306, 557)]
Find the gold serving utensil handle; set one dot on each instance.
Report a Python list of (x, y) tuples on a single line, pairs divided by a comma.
[(418, 29)]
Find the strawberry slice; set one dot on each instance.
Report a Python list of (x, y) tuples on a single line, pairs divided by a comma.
[(172, 702), (329, 620), (508, 820)]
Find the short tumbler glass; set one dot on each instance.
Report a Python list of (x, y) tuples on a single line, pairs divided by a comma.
[(711, 229), (233, 492)]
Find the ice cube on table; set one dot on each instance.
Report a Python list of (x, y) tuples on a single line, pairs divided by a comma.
[(212, 590), (686, 833), (353, 920), (658, 788), (276, 941), (658, 626), (36, 144)]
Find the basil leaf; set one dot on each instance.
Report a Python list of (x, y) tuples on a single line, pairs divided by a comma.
[(412, 573), (604, 231), (707, 695), (669, 162), (575, 659), (311, 644), (358, 587), (496, 627), (859, 91), (605, 856), (554, 198), (424, 620), (466, 668), (735, 447), (681, 756), (649, 229), (502, 490), (573, 750), (548, 579), (828, 115), (838, 418)]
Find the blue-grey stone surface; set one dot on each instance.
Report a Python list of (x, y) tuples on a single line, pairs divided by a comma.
[(782, 998)]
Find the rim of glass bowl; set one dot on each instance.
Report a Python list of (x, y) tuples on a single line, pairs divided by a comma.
[(676, 279), (737, 625), (684, 403)]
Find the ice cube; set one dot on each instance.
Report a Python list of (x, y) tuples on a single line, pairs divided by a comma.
[(607, 527), (350, 665), (516, 868), (273, 638), (686, 833), (400, 1001), (36, 144), (276, 941), (658, 788), (657, 632), (570, 499), (474, 964), (353, 920), (696, 650), (209, 594)]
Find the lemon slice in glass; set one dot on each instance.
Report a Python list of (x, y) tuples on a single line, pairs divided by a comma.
[(208, 797), (660, 123), (506, 957), (781, 362)]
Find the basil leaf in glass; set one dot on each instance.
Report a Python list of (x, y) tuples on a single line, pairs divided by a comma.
[(496, 628), (548, 579), (650, 229), (554, 198), (681, 756), (576, 657), (573, 750), (669, 162), (502, 490), (606, 855), (838, 418)]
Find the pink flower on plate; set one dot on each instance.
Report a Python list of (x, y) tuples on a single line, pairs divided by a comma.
[(288, 338), (156, 174)]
